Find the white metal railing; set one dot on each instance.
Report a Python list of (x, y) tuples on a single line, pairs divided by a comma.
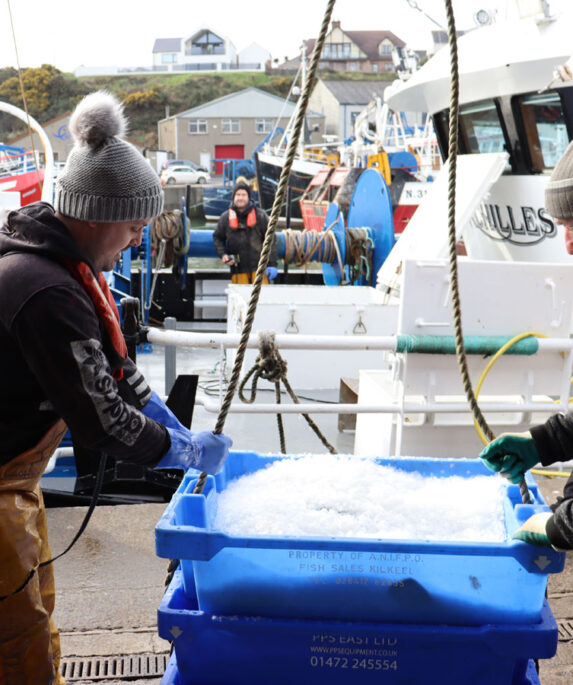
[(309, 342), (221, 341)]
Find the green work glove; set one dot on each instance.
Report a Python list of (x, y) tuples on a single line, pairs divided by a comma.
[(533, 530), (511, 455)]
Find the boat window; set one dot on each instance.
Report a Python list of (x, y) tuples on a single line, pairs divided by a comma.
[(545, 129), (480, 128)]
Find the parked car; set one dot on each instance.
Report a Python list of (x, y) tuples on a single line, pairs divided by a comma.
[(183, 174), (183, 162)]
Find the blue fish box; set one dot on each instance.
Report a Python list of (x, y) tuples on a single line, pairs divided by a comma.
[(356, 579), (234, 650)]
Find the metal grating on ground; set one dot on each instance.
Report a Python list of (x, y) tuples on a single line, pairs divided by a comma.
[(565, 630), (105, 667)]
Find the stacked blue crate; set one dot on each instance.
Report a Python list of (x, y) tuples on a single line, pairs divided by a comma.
[(246, 609), (234, 650)]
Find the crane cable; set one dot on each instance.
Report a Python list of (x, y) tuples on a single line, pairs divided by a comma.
[(456, 305), (270, 233)]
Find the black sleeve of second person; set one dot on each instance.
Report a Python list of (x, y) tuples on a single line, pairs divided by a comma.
[(220, 235), (554, 439), (58, 333), (262, 224)]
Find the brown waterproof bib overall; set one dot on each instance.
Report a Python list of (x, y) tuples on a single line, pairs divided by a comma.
[(29, 641)]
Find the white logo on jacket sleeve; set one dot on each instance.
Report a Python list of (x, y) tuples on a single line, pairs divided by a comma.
[(118, 419)]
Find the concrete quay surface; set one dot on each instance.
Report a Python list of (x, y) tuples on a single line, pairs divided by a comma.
[(110, 585)]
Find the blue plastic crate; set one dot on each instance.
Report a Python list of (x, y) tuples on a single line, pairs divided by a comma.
[(172, 676), (403, 581), (233, 650)]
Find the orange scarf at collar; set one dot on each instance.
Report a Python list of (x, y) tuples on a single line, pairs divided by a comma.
[(103, 301)]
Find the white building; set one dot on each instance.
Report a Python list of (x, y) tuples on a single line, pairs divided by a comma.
[(206, 50)]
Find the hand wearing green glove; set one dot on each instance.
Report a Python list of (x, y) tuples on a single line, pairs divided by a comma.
[(511, 455), (534, 530)]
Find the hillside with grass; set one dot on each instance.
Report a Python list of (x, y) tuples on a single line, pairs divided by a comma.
[(147, 98)]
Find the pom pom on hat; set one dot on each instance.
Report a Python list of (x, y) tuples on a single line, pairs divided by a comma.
[(105, 178), (98, 116)]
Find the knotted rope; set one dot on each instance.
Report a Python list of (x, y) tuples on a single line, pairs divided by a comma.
[(168, 238), (270, 366)]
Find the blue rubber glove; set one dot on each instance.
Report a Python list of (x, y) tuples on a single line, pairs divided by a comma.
[(157, 410), (511, 455), (534, 530), (204, 451), (272, 272)]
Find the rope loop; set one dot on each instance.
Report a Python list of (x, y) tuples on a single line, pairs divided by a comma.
[(269, 365), (168, 237)]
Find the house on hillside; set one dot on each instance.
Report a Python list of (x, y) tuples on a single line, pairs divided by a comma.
[(342, 101), (230, 127), (206, 50), (367, 52)]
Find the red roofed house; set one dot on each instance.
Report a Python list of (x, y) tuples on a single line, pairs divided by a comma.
[(369, 52)]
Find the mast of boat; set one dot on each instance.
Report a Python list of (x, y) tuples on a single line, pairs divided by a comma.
[(48, 184), (281, 148)]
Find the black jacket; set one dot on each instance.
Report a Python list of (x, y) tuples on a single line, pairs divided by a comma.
[(55, 355), (243, 243), (554, 442)]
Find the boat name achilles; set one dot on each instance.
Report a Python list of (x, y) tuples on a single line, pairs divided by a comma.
[(518, 225)]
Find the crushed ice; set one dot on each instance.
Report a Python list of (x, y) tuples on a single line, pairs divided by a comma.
[(342, 496)]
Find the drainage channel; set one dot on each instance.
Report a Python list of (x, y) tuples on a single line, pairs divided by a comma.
[(565, 628), (105, 667)]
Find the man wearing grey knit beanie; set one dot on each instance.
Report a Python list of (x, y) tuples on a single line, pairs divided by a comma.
[(64, 365), (559, 195)]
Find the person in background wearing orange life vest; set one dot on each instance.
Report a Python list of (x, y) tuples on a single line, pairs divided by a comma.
[(64, 365), (239, 238)]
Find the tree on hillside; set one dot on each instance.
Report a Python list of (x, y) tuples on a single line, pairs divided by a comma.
[(48, 91), (143, 109)]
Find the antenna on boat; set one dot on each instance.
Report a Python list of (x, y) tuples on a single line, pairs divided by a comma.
[(414, 5)]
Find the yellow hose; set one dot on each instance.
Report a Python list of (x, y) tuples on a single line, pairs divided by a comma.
[(491, 362), (550, 474)]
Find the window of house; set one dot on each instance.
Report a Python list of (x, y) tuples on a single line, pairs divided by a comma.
[(389, 67), (374, 68), (545, 129), (198, 126), (263, 125), (385, 48), (352, 66), (206, 43), (169, 58), (336, 51), (230, 126)]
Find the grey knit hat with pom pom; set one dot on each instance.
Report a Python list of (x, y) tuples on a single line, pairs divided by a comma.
[(559, 189), (105, 178)]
